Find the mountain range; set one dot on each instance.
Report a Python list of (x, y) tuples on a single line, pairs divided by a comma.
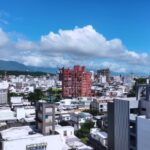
[(16, 66)]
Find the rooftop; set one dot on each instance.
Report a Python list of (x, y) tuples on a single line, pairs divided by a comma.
[(25, 136), (15, 133), (98, 132), (59, 127), (7, 114), (16, 100), (127, 98), (133, 117), (77, 144)]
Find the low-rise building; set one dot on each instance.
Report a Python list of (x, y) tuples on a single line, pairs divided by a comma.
[(100, 104), (25, 138), (79, 118), (67, 104), (98, 140), (6, 114), (65, 117)]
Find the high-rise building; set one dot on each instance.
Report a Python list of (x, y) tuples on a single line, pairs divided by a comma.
[(129, 121), (45, 118), (104, 73), (76, 82)]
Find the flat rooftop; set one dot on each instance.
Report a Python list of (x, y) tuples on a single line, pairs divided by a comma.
[(126, 98), (133, 117), (76, 143), (98, 132), (15, 133), (63, 127), (7, 114)]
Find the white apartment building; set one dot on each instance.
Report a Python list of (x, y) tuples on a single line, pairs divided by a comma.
[(24, 138), (99, 136)]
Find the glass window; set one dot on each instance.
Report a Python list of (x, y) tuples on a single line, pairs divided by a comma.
[(65, 133), (46, 116)]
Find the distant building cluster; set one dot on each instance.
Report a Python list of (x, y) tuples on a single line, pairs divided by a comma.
[(119, 122)]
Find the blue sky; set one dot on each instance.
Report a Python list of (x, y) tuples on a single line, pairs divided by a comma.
[(24, 23)]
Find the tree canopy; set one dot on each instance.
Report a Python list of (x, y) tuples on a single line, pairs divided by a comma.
[(84, 132), (36, 95), (132, 92)]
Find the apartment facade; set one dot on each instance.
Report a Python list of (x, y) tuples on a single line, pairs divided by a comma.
[(76, 82), (100, 104), (45, 118)]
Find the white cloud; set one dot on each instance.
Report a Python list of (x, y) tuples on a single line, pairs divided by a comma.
[(83, 46), (114, 67), (87, 42), (3, 38), (39, 60), (25, 45)]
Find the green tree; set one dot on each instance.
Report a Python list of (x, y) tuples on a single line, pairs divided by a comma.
[(37, 95), (84, 132), (54, 94), (50, 91), (132, 92)]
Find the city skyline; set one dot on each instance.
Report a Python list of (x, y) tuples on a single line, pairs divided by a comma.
[(96, 34)]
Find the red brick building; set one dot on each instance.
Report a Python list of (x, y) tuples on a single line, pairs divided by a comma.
[(76, 82)]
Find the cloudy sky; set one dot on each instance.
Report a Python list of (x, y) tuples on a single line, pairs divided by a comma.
[(94, 33)]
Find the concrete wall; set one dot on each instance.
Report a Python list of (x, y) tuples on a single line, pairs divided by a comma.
[(3, 96), (121, 118), (111, 145), (143, 133)]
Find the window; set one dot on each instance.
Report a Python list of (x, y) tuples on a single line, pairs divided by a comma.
[(40, 146), (101, 106), (46, 116), (143, 109), (65, 133)]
